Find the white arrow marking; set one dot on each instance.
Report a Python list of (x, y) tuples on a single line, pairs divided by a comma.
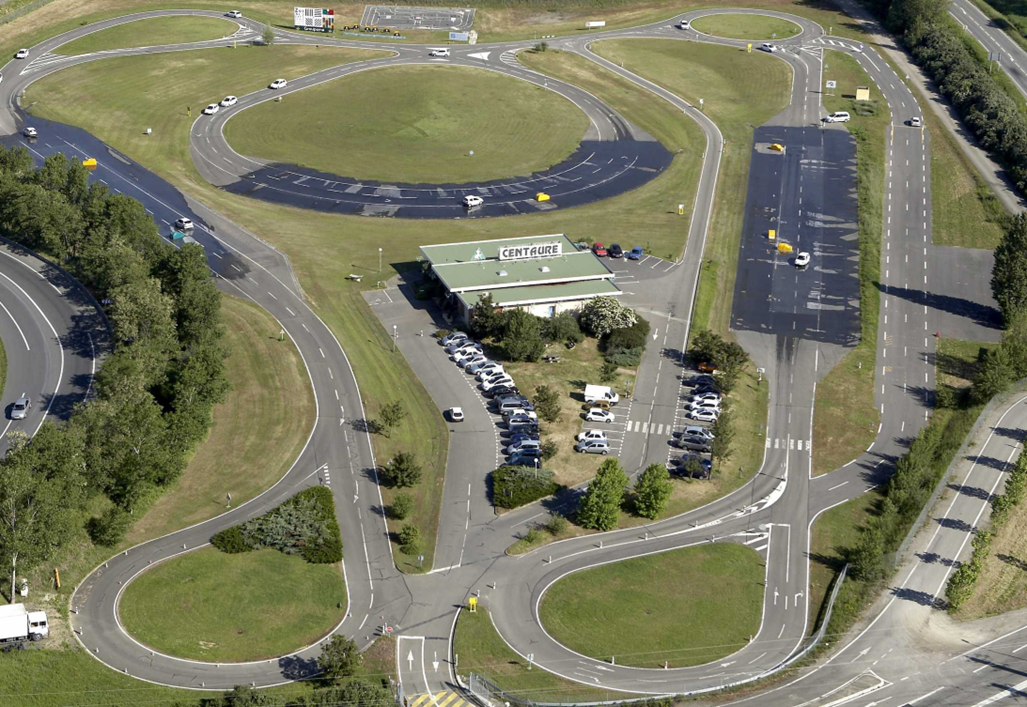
[(775, 596), (484, 56), (655, 333), (724, 665), (435, 663), (355, 498), (861, 654), (410, 659)]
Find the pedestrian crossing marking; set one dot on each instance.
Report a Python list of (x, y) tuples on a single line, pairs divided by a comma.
[(445, 698)]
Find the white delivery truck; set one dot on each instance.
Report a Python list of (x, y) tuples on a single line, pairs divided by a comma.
[(601, 392), (17, 624)]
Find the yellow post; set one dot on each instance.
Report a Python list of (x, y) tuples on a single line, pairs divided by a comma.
[(772, 234), (473, 605), (57, 577), (748, 47), (681, 209)]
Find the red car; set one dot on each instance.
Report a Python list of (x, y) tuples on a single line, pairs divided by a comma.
[(599, 249)]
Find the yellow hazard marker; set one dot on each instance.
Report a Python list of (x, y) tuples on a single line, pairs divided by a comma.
[(772, 234), (541, 196), (748, 47), (681, 209), (90, 164), (472, 605), (777, 147)]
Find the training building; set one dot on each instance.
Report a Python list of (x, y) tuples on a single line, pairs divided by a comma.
[(545, 275)]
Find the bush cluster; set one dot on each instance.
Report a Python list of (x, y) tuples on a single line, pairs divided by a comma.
[(624, 347), (514, 486), (304, 525)]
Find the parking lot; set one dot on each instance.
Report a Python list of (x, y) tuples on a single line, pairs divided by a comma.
[(402, 17)]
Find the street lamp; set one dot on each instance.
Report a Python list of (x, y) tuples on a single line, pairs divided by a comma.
[(379, 260)]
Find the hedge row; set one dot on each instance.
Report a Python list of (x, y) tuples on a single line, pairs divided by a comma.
[(514, 486)]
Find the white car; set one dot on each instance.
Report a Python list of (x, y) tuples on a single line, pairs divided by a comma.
[(768, 47), (489, 370), (22, 54), (838, 117), (684, 24), (234, 14), (802, 259), (704, 405), (462, 344), (697, 431), (211, 109), (20, 409), (712, 397), (473, 368), (916, 122), (454, 337), (229, 101), (471, 201), (499, 380), (464, 355), (30, 132), (441, 52), (278, 83), (476, 358), (702, 415), (598, 415), (184, 224), (593, 447), (456, 415), (592, 436)]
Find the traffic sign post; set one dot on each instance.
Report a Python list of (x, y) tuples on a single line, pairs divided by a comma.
[(831, 85)]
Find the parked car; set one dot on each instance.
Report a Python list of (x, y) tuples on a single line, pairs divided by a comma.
[(473, 360), (20, 408), (493, 382), (707, 367), (694, 442), (704, 415), (473, 368), (636, 253), (701, 379), (616, 251), (839, 116), (527, 459), (492, 375), (682, 464), (452, 337), (523, 446), (278, 83), (715, 397), (502, 390), (697, 431), (229, 101), (599, 249), (520, 417), (592, 436), (521, 436), (462, 345), (704, 405), (489, 369), (706, 388), (599, 415), (594, 446), (599, 404), (211, 109), (456, 415), (464, 355)]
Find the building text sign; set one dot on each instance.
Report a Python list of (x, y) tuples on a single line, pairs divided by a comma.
[(534, 250)]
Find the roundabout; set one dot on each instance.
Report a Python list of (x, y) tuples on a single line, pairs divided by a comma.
[(746, 26)]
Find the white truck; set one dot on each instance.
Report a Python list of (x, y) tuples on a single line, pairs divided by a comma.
[(601, 392), (18, 624)]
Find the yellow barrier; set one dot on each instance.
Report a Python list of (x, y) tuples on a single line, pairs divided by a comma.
[(542, 196)]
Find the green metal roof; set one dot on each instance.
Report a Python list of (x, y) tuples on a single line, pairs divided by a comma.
[(486, 274), (446, 253), (542, 294)]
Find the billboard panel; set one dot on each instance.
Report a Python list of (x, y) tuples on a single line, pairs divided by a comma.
[(313, 19), (458, 36)]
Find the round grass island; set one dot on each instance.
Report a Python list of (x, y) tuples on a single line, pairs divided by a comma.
[(732, 25), (683, 607), (231, 608), (414, 124)]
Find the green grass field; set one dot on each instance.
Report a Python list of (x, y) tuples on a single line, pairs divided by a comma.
[(208, 605), (151, 32), (754, 27), (420, 128), (482, 650), (686, 607), (741, 90), (844, 417)]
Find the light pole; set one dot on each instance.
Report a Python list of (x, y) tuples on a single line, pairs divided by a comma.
[(395, 335), (379, 260)]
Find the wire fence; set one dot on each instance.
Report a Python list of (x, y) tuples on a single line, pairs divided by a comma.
[(17, 12)]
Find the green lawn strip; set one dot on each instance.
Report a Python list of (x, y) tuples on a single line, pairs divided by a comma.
[(741, 90), (844, 417), (258, 431), (683, 607), (151, 33), (736, 26), (1008, 15), (483, 651), (423, 119), (212, 606)]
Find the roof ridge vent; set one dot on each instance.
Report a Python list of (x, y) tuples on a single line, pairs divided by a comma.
[(503, 273), (544, 268)]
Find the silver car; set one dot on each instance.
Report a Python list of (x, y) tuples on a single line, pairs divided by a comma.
[(593, 447), (20, 408)]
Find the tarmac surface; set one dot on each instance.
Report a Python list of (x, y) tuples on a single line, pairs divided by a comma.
[(405, 17), (774, 512)]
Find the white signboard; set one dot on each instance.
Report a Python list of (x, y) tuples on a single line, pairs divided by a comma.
[(313, 19), (534, 250), (593, 25), (832, 84)]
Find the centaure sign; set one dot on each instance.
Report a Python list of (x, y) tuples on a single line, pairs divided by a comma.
[(535, 250)]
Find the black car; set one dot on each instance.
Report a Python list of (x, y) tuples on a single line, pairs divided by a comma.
[(501, 390), (701, 379), (615, 251)]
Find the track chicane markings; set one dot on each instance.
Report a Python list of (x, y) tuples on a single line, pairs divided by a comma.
[(442, 699)]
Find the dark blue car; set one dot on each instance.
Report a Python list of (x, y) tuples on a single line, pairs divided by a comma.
[(636, 253)]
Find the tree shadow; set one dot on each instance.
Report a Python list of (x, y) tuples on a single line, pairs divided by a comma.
[(365, 425), (990, 462), (1009, 432), (294, 667), (954, 524), (933, 558), (1013, 561), (981, 314), (971, 491)]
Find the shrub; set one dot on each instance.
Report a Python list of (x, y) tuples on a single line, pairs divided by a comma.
[(401, 471), (522, 340), (628, 358), (630, 337), (608, 372), (549, 449), (563, 327), (533, 536), (230, 541), (601, 315), (514, 486), (401, 506), (547, 403), (556, 524), (410, 539), (109, 529)]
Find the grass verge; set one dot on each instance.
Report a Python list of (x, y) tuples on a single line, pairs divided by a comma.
[(419, 131), (746, 26), (844, 418), (485, 653), (151, 32), (212, 606), (621, 610)]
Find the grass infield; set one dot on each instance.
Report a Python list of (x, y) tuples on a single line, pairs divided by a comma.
[(150, 33), (737, 26), (207, 605), (685, 607), (420, 127)]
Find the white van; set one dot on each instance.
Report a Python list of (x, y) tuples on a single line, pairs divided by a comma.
[(440, 52), (839, 116), (601, 392), (471, 201)]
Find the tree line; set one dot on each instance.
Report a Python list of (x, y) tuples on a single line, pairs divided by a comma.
[(939, 47), (153, 394)]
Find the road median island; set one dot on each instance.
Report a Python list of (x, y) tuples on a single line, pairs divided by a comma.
[(431, 125), (151, 32), (681, 608), (734, 25)]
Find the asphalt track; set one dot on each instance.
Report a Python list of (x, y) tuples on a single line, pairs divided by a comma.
[(782, 501)]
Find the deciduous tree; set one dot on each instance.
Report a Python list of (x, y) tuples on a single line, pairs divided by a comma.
[(339, 658), (600, 506), (653, 491)]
